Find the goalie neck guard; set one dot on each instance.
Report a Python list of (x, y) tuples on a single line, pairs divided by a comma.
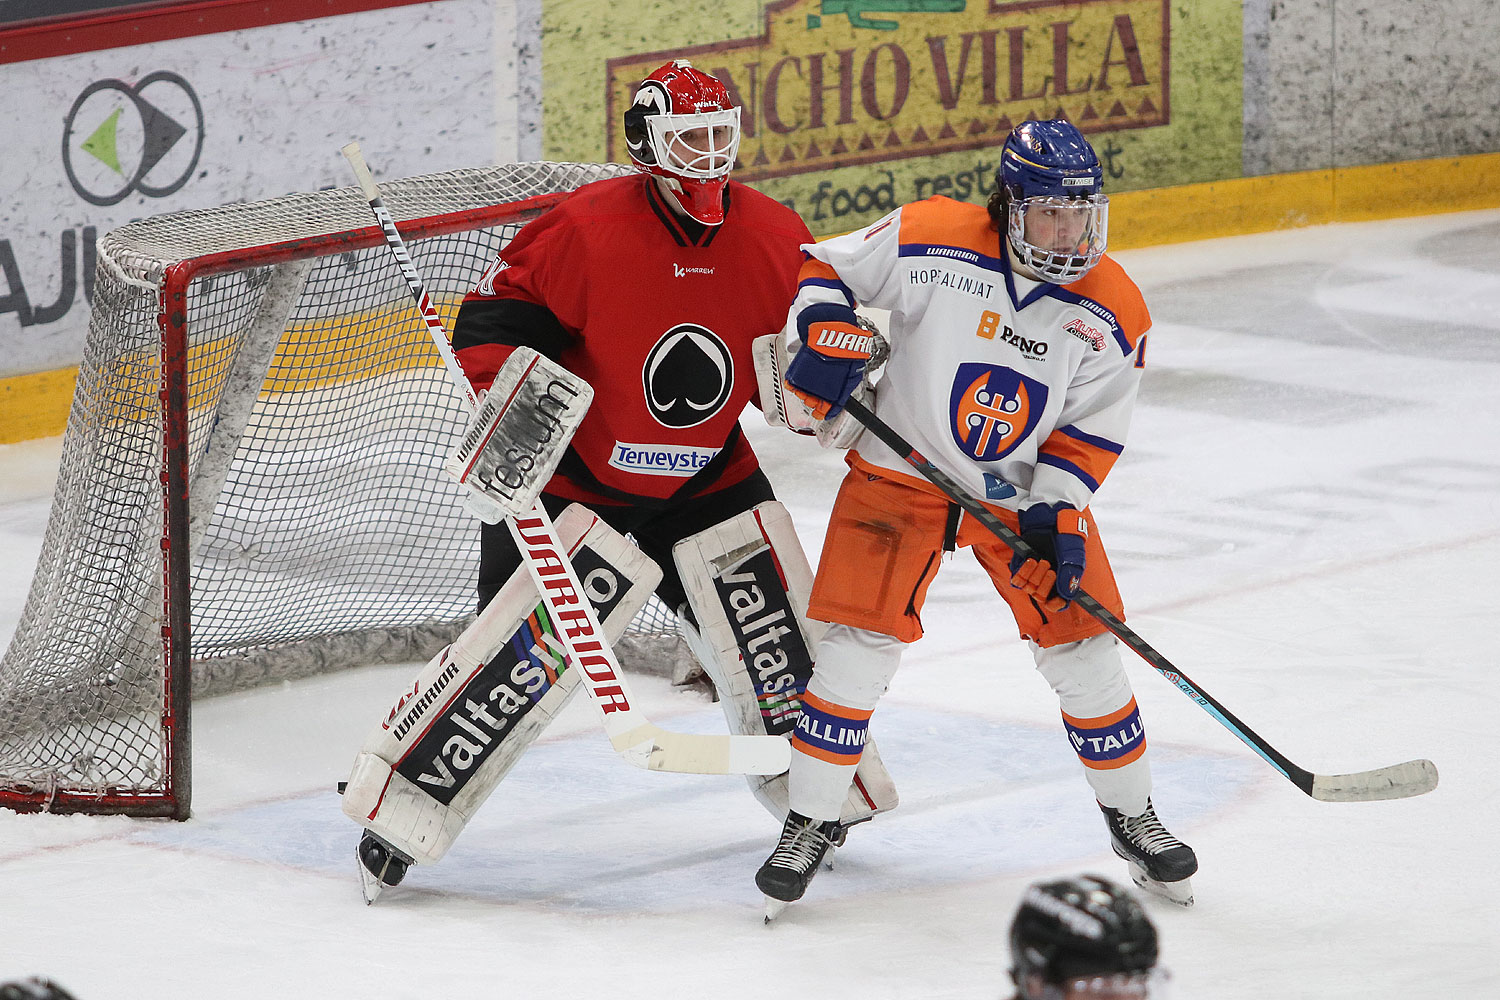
[(682, 128)]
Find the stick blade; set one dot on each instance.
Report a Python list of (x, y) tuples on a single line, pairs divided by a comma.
[(695, 753), (1398, 781)]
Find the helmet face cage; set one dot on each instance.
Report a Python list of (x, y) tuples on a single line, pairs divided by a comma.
[(1058, 215), (1059, 239), (699, 146)]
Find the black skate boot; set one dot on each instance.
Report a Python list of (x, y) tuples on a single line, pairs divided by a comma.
[(1158, 861), (784, 876), (380, 865)]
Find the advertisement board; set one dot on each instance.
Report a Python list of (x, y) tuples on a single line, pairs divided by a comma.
[(852, 107), (108, 136)]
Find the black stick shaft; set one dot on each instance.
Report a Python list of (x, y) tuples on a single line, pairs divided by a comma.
[(1298, 776)]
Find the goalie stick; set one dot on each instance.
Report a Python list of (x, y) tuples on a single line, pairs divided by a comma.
[(632, 735), (1396, 781)]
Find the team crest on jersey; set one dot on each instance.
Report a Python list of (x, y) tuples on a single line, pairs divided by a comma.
[(992, 409), (688, 376)]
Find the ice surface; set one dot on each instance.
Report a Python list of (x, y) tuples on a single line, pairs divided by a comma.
[(1307, 521)]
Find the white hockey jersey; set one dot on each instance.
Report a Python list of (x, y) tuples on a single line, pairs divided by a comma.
[(1019, 390)]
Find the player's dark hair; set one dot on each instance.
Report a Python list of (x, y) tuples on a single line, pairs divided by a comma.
[(999, 207)]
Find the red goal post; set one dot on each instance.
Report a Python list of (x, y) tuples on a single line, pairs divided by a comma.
[(250, 486)]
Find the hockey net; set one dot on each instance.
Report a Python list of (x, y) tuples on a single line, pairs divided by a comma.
[(253, 460)]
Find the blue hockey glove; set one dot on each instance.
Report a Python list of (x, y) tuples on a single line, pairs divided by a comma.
[(1057, 534), (827, 370)]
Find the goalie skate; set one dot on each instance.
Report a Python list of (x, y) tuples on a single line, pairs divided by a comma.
[(380, 865)]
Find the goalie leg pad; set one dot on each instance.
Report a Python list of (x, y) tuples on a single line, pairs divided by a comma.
[(747, 581), (475, 708)]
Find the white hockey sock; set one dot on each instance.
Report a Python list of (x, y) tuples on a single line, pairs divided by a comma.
[(854, 667), (1102, 721)]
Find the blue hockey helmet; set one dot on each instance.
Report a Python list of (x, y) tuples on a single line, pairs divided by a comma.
[(1058, 216)]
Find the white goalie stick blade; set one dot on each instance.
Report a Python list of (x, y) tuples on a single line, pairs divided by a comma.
[(1397, 781), (633, 736), (518, 435)]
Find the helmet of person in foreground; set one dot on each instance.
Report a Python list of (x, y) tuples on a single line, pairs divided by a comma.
[(682, 128), (1083, 938), (1058, 217)]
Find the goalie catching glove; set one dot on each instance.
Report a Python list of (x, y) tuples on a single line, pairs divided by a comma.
[(517, 435), (1057, 534), (828, 369)]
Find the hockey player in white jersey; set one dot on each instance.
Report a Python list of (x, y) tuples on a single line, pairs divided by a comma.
[(1016, 347)]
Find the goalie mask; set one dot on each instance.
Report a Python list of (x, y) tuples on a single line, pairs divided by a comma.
[(1058, 216), (1083, 938), (682, 128)]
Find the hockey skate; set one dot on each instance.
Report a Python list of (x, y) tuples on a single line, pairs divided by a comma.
[(803, 845), (380, 865), (1159, 863)]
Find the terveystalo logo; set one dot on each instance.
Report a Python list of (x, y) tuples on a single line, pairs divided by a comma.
[(821, 91), (119, 139)]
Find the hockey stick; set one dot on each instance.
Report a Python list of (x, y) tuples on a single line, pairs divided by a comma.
[(633, 736), (1398, 781)]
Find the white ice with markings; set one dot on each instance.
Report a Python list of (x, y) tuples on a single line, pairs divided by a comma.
[(1307, 522)]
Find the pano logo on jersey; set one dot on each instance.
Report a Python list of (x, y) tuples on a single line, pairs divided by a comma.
[(688, 376), (992, 409), (1031, 350), (660, 459)]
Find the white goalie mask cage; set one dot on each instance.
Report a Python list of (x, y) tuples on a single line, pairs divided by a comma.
[(700, 146)]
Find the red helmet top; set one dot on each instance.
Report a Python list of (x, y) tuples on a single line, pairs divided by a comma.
[(683, 128)]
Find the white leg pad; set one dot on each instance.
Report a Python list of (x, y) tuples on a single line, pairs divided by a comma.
[(748, 581), (476, 707)]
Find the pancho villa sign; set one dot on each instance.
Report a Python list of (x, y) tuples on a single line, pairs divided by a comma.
[(836, 83)]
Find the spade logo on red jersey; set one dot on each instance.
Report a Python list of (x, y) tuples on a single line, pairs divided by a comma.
[(992, 409), (688, 376)]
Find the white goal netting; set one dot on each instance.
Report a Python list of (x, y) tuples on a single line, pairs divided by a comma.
[(257, 390)]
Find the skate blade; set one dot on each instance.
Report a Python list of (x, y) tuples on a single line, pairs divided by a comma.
[(774, 908), (368, 884), (1179, 893)]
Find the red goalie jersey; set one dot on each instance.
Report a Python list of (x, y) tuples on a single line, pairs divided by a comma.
[(657, 315)]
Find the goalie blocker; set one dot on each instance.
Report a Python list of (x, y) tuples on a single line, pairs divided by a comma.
[(747, 581), (475, 708), (517, 435)]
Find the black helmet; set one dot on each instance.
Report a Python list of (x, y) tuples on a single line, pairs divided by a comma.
[(1077, 928)]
